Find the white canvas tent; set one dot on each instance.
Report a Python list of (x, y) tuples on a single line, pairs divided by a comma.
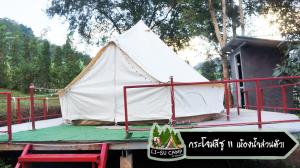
[(137, 57)]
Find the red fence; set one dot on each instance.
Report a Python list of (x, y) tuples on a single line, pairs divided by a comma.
[(259, 87), (16, 110), (42, 106), (283, 94), (5, 104)]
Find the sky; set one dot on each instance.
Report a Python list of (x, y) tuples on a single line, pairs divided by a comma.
[(32, 14)]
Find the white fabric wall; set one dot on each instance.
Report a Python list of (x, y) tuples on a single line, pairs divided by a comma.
[(198, 100), (92, 97), (143, 103)]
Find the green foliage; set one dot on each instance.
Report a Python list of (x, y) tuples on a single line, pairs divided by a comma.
[(25, 59), (211, 69), (290, 63), (44, 62), (163, 138), (91, 17), (155, 131), (4, 79), (167, 137), (57, 67), (175, 138), (175, 21), (290, 66), (287, 13)]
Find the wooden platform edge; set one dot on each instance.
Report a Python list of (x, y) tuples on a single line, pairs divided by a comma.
[(4, 147)]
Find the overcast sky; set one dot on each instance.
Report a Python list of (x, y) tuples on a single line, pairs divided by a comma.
[(32, 14)]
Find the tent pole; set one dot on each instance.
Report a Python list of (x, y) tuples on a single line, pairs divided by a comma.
[(173, 102), (125, 109)]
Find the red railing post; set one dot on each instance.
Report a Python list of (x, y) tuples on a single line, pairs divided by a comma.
[(125, 110), (8, 101), (173, 102), (262, 99), (258, 106), (283, 96), (103, 155), (227, 101), (237, 97), (19, 116), (31, 92), (44, 108)]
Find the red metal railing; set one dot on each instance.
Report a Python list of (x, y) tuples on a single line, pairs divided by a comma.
[(282, 87), (22, 104), (8, 112), (258, 96), (41, 104)]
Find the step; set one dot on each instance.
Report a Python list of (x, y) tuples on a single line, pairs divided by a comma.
[(59, 158), (97, 159)]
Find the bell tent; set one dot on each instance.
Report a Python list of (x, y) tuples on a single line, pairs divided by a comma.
[(137, 56)]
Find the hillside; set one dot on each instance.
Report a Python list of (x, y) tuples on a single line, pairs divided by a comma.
[(13, 28), (26, 59)]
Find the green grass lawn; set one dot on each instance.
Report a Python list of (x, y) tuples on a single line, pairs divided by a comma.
[(15, 93)]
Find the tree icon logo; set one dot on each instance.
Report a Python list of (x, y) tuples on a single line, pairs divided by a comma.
[(165, 144)]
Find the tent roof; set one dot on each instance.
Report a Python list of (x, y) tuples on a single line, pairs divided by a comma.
[(149, 52)]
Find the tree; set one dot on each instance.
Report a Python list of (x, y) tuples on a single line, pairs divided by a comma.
[(71, 67), (58, 59), (106, 17), (242, 18), (26, 48), (287, 16), (4, 78), (74, 62), (290, 64), (44, 63), (15, 62), (15, 52), (57, 68), (221, 36), (175, 138), (155, 131), (211, 69), (25, 58)]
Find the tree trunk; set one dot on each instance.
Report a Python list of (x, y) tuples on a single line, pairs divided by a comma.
[(222, 38), (224, 19), (233, 20), (225, 67), (242, 19), (215, 22)]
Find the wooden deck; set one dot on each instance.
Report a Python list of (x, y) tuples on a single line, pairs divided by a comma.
[(53, 134)]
